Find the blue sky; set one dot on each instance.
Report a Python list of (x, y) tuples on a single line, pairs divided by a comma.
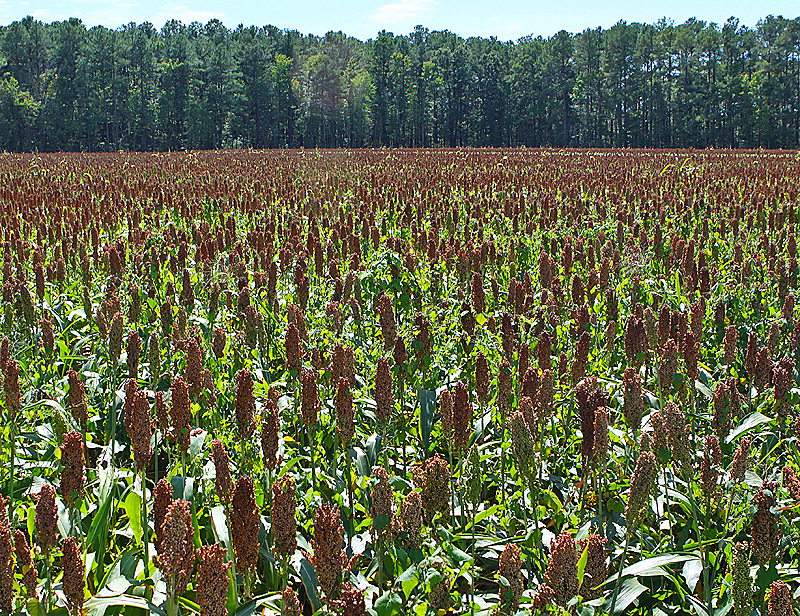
[(506, 19)]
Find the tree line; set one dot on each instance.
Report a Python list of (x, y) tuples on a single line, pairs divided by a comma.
[(195, 86)]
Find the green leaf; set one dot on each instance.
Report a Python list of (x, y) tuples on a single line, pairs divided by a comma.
[(582, 564), (427, 408), (133, 509), (655, 566), (381, 521), (309, 578), (628, 592), (374, 448), (409, 580), (750, 422), (691, 572), (459, 556), (388, 604), (196, 443), (219, 520), (96, 606)]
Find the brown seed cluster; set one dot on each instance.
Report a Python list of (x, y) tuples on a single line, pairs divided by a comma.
[(764, 528), (212, 580), (595, 571), (462, 417), (245, 524), (562, 568), (780, 600), (433, 478), (139, 426), (352, 601), (642, 484), (387, 321), (284, 506), (291, 604), (382, 509), (510, 569), (222, 479), (633, 399), (6, 560), (46, 520), (791, 483), (741, 461), (73, 474), (162, 499), (328, 558), (269, 434), (176, 552), (73, 582), (668, 367), (194, 366), (293, 352), (384, 396), (25, 564), (180, 414), (11, 388), (244, 404), (345, 416), (76, 400)]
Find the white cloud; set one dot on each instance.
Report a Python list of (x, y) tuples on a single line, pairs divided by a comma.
[(402, 11)]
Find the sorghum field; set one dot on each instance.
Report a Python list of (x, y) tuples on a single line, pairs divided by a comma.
[(400, 382)]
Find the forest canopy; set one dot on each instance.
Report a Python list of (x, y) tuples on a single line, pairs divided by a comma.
[(195, 86)]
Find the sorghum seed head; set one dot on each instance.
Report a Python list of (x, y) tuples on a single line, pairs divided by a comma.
[(284, 506), (345, 426), (741, 461), (46, 520), (382, 497), (222, 482), (742, 583), (180, 413), (72, 475), (6, 560), (522, 443), (384, 396), (162, 499), (269, 434), (73, 582), (76, 399), (764, 527), (462, 417), (641, 485), (562, 568), (25, 563), (309, 401), (328, 558), (194, 366), (433, 478), (410, 519), (595, 572), (510, 569), (780, 600), (212, 580), (245, 524), (291, 604), (176, 552), (244, 404)]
